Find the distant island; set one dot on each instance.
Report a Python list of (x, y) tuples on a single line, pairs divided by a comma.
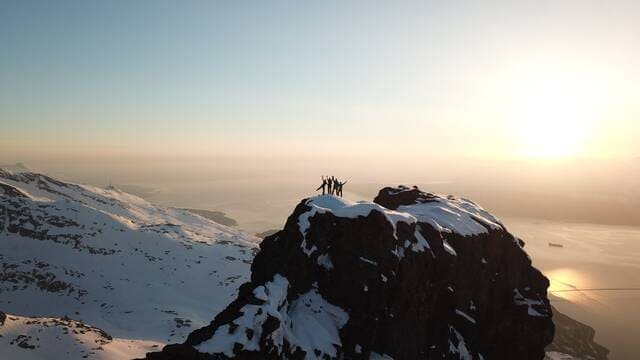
[(264, 234), (217, 216), (144, 192)]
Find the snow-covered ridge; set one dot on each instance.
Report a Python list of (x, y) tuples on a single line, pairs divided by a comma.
[(444, 213), (456, 215), (344, 208), (113, 260), (130, 210)]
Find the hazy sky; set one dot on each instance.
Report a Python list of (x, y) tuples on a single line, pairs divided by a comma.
[(81, 79)]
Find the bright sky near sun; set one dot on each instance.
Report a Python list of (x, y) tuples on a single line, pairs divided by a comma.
[(454, 78)]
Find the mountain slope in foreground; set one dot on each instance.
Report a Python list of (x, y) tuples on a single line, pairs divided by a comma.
[(412, 275), (97, 273)]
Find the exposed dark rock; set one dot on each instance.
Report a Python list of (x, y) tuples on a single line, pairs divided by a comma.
[(361, 280), (392, 198), (23, 342), (575, 338)]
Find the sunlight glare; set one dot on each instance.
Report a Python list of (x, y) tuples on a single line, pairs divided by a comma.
[(556, 116), (563, 279)]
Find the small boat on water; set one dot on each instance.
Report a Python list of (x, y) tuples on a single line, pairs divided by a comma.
[(555, 245)]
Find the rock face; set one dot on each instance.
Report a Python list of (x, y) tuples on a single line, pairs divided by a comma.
[(575, 340), (411, 276)]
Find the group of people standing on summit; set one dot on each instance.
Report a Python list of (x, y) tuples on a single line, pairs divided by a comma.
[(331, 186)]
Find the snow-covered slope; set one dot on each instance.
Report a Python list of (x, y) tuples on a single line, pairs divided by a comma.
[(62, 338), (112, 261)]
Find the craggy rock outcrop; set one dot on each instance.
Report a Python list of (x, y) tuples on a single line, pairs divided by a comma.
[(575, 339), (411, 276)]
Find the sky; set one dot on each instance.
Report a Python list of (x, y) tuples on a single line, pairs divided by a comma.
[(86, 80)]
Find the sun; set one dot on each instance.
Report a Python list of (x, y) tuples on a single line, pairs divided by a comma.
[(555, 117)]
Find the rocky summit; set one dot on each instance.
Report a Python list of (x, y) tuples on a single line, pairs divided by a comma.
[(412, 275)]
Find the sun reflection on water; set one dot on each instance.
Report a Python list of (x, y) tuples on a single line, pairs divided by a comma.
[(566, 283)]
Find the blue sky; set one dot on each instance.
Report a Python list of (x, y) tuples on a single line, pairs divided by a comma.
[(249, 77)]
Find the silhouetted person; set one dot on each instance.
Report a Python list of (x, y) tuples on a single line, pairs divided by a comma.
[(334, 185), (323, 186), (340, 185), (330, 185)]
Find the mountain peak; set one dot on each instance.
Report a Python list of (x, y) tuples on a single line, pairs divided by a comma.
[(410, 275)]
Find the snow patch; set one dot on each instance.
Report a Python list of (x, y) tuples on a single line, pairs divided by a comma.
[(464, 315), (448, 248), (274, 294), (554, 355), (456, 215), (325, 261), (368, 261), (530, 303), (343, 208), (422, 244), (460, 347), (309, 323)]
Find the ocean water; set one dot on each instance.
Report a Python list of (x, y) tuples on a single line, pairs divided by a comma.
[(595, 276)]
